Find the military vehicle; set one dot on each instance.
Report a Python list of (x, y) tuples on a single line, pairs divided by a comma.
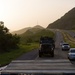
[(47, 46)]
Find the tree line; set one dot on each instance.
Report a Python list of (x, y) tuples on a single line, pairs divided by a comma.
[(8, 41)]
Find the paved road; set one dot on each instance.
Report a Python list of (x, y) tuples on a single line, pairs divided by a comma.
[(29, 56), (60, 54)]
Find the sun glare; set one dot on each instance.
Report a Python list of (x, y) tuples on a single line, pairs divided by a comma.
[(3, 10)]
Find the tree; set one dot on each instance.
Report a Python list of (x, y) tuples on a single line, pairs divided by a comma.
[(7, 40)]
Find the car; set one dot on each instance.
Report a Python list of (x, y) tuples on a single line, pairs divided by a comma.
[(65, 46), (71, 54)]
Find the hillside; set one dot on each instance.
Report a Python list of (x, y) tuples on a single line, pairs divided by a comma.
[(34, 35), (38, 26), (21, 31), (65, 22)]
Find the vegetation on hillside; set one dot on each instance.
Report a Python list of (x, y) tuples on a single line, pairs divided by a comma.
[(7, 40), (21, 31), (34, 35), (65, 22), (68, 38)]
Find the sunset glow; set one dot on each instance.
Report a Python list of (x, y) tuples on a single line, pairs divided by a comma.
[(18, 14)]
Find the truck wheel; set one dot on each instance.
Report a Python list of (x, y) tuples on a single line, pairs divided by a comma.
[(40, 54), (52, 55), (62, 50)]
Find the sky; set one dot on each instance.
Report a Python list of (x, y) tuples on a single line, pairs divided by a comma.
[(18, 14)]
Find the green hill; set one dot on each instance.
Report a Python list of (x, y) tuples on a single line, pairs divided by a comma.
[(34, 35), (38, 26), (21, 31), (65, 22)]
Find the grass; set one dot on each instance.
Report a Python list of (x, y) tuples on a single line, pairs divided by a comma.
[(68, 39), (6, 58)]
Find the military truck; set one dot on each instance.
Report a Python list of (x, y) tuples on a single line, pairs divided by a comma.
[(47, 46)]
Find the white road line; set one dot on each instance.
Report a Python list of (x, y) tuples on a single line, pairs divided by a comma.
[(36, 57)]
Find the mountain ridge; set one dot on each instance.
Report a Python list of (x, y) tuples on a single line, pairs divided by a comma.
[(65, 22), (21, 31)]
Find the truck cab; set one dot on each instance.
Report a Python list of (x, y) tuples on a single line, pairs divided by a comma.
[(47, 46)]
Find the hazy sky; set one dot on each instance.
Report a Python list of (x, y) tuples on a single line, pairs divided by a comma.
[(18, 14)]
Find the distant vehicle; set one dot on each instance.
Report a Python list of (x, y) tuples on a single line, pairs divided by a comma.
[(61, 43), (65, 46), (71, 54), (47, 46)]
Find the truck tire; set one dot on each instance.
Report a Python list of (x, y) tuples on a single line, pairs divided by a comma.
[(52, 54), (40, 54), (62, 49)]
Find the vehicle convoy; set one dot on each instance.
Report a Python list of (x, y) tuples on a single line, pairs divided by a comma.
[(47, 46)]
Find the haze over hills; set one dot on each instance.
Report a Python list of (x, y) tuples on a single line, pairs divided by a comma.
[(65, 22), (21, 31), (32, 31)]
